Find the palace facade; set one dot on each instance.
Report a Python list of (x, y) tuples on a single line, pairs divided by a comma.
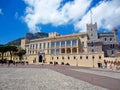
[(88, 49), (83, 49)]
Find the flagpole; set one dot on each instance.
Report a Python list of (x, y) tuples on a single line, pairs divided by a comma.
[(91, 16)]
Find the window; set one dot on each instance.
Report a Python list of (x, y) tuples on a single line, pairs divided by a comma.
[(52, 51), (33, 46), (99, 57), (112, 52), (86, 57), (92, 44), (93, 57), (92, 50), (83, 44), (44, 45), (57, 51), (80, 57), (40, 45), (57, 44), (63, 43), (74, 42), (57, 57), (53, 44), (91, 34), (30, 52), (62, 57), (68, 50), (110, 39), (112, 46), (105, 39), (68, 57), (36, 46), (74, 50), (48, 45), (63, 50), (74, 57), (68, 43), (82, 36), (30, 46)]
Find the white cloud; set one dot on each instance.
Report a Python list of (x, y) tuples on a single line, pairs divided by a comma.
[(46, 11), (1, 11), (106, 14)]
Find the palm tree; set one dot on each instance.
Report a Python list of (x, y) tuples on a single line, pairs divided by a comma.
[(3, 49), (11, 49)]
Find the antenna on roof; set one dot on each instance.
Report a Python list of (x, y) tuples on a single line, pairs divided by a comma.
[(91, 16)]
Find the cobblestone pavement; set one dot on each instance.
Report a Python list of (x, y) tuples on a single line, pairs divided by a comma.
[(40, 79), (57, 77)]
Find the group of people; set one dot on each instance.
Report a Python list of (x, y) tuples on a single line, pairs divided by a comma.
[(9, 62), (112, 64)]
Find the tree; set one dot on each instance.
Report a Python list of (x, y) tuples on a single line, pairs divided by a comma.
[(20, 53), (3, 49), (11, 49)]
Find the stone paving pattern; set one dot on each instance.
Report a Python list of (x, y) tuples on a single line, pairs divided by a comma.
[(40, 79)]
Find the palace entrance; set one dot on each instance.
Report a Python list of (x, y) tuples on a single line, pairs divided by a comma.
[(40, 58)]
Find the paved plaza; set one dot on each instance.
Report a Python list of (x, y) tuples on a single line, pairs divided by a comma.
[(50, 77)]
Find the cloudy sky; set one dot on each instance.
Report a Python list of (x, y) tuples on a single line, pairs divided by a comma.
[(17, 17)]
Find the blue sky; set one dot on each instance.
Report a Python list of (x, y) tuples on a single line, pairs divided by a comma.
[(17, 17)]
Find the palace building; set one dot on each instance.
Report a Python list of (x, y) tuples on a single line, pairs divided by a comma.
[(88, 49)]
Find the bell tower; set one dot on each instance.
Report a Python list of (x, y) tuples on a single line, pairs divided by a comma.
[(94, 43), (92, 29)]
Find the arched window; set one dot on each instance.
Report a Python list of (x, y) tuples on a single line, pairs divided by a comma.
[(68, 50), (82, 44), (74, 50), (92, 44), (63, 50)]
